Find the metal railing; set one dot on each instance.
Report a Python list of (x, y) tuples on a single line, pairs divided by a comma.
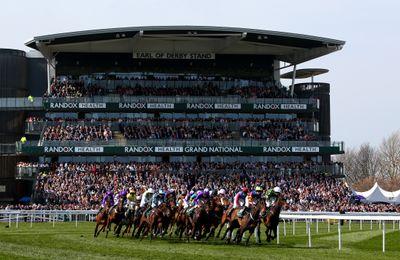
[(21, 103), (364, 221), (37, 103), (112, 98), (7, 149)]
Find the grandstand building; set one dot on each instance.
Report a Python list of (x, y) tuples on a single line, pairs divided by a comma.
[(162, 94)]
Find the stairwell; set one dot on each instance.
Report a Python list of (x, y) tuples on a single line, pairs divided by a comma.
[(119, 138)]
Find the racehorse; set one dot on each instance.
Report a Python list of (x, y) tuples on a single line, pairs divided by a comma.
[(217, 206), (271, 220), (126, 221), (247, 222), (115, 216), (199, 221), (250, 221), (151, 223), (101, 219)]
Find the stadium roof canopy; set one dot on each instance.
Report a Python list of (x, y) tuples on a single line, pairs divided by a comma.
[(287, 47), (304, 73)]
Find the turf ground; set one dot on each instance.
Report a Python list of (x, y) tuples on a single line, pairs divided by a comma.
[(65, 241)]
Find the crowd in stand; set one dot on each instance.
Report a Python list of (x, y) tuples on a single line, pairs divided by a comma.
[(82, 185), (271, 130), (73, 89), (176, 132), (77, 133), (67, 88)]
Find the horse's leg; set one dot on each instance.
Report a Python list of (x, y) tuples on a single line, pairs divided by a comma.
[(95, 229), (139, 230), (102, 229), (211, 233), (228, 234), (275, 231), (251, 231), (220, 228), (108, 227), (258, 235), (268, 233)]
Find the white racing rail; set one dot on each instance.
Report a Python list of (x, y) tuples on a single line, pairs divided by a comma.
[(17, 216)]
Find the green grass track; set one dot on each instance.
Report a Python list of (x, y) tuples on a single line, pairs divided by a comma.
[(65, 241)]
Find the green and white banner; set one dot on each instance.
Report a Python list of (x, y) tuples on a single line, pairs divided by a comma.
[(154, 150)]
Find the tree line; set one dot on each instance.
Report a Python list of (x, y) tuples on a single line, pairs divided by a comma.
[(368, 164)]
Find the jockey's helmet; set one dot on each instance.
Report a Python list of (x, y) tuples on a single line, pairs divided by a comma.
[(206, 190), (259, 188), (245, 190), (221, 192), (151, 190), (277, 190)]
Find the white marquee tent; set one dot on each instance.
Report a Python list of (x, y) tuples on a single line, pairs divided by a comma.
[(377, 194)]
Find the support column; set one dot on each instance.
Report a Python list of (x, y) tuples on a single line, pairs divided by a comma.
[(293, 80)]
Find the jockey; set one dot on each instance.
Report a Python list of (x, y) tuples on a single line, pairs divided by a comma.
[(121, 195), (251, 200), (146, 198), (188, 199), (108, 198), (157, 198), (271, 196), (196, 198), (180, 200), (202, 196), (221, 195), (170, 195), (131, 199), (240, 198), (193, 197)]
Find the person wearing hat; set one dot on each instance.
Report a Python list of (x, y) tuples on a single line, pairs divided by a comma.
[(131, 198), (23, 140), (145, 202), (272, 195)]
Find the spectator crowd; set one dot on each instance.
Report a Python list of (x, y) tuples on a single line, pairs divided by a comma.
[(75, 88), (71, 132), (305, 187), (270, 130)]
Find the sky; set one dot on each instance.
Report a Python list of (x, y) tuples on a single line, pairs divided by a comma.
[(365, 92)]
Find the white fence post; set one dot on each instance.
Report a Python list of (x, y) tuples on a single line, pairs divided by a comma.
[(307, 224), (294, 226), (284, 228), (76, 220), (16, 225), (394, 225), (349, 224), (316, 227), (371, 224), (383, 237), (31, 219), (380, 224), (54, 219), (340, 235), (361, 222), (309, 234), (277, 234), (329, 226), (9, 220)]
